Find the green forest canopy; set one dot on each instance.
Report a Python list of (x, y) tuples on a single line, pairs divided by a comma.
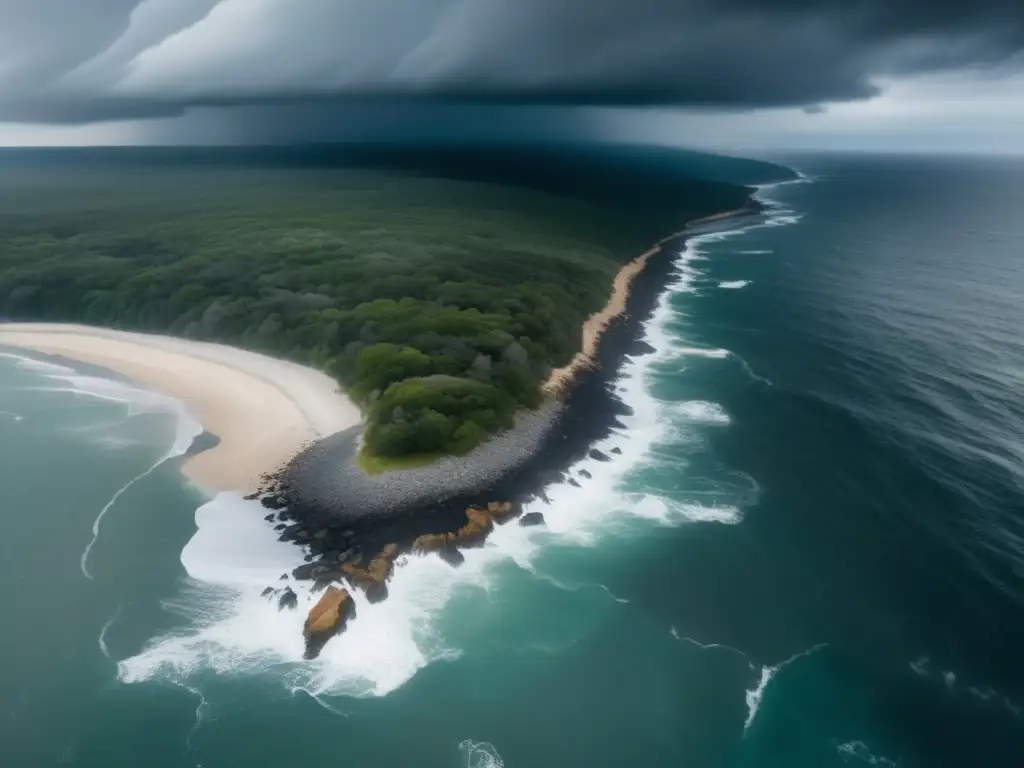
[(439, 305)]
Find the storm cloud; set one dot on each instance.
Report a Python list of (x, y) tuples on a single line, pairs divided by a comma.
[(78, 61)]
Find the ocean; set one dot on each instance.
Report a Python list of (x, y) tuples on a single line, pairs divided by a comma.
[(809, 552)]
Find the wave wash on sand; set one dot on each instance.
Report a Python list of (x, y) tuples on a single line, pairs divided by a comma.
[(263, 410)]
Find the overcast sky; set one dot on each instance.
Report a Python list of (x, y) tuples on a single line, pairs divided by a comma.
[(731, 74)]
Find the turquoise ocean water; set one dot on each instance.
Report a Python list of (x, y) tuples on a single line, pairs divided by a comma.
[(809, 552)]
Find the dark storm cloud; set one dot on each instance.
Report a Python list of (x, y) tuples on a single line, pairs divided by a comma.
[(87, 60)]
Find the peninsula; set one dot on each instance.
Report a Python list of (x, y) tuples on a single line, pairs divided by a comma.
[(404, 346)]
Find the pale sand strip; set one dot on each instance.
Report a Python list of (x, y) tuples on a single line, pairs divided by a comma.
[(596, 323), (263, 410)]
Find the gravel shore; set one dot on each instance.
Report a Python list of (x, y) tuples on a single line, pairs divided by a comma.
[(323, 486), (325, 475)]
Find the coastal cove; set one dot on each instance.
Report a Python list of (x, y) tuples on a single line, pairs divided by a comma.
[(261, 411)]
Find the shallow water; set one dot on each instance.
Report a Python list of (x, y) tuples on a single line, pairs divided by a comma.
[(809, 552)]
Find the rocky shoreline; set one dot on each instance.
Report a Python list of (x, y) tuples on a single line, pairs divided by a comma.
[(354, 526)]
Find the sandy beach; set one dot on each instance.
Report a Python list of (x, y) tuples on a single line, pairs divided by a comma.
[(596, 323), (262, 409)]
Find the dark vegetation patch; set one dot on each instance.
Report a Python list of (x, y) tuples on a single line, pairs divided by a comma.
[(439, 304)]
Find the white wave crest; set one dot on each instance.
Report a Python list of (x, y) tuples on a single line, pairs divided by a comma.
[(717, 354), (701, 412), (480, 754), (31, 364), (756, 694), (733, 284), (106, 627), (859, 750)]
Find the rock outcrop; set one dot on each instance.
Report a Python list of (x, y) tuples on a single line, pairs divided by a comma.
[(479, 524), (373, 579), (287, 599), (326, 619), (503, 511), (531, 519)]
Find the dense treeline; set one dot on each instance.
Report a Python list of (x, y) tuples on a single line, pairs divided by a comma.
[(439, 305)]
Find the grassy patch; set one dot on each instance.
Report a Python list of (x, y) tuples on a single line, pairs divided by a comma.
[(375, 465)]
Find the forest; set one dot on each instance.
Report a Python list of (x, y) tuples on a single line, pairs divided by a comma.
[(440, 305)]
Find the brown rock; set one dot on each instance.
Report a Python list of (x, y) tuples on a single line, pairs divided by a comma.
[(431, 542), (326, 619), (476, 531), (503, 511), (374, 577)]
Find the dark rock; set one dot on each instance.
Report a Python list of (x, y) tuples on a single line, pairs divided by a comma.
[(344, 557), (270, 518), (271, 502), (599, 455), (308, 558), (288, 599), (617, 451), (585, 473), (321, 534), (284, 577), (348, 534), (305, 572), (572, 481), (531, 518), (267, 592), (280, 527), (323, 583), (452, 556), (251, 496)]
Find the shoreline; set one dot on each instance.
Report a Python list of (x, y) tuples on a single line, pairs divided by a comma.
[(270, 418), (316, 509), (598, 322), (261, 410)]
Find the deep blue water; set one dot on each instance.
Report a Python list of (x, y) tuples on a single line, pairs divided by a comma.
[(874, 395), (810, 553)]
